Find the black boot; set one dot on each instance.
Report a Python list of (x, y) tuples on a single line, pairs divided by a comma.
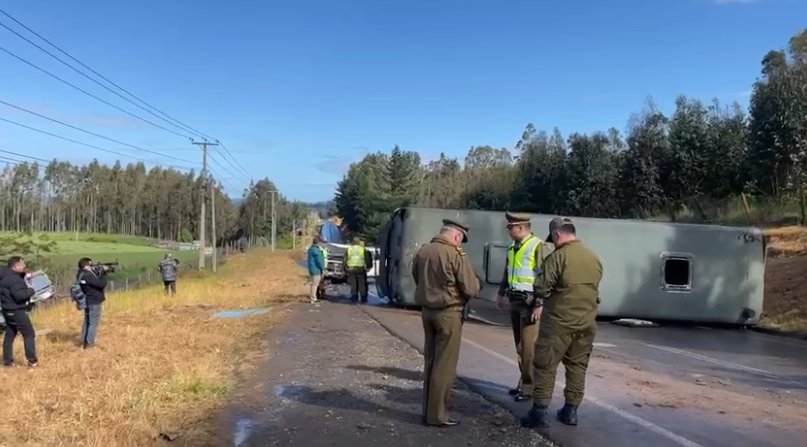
[(568, 414), (538, 417)]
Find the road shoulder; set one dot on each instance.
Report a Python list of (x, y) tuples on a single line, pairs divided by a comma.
[(336, 377)]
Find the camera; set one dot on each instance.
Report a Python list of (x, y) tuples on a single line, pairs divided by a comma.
[(100, 268)]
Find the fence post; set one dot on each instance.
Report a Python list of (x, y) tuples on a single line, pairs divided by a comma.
[(126, 284)]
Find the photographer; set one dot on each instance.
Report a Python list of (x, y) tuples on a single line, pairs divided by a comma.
[(14, 299), (92, 278)]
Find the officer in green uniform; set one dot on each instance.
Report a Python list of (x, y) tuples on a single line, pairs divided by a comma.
[(445, 282), (568, 290), (524, 259)]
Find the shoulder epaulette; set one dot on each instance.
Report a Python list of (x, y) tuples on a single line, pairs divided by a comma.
[(460, 251)]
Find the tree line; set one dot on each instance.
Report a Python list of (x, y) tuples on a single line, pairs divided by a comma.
[(690, 163), (159, 202)]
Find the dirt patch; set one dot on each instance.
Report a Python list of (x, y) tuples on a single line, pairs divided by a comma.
[(337, 378), (785, 306), (787, 241), (162, 364)]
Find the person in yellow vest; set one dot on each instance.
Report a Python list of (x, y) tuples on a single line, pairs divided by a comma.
[(356, 263), (525, 257)]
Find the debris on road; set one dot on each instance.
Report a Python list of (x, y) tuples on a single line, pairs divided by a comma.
[(634, 322)]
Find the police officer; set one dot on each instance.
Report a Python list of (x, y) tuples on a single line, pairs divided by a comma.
[(524, 259), (445, 282), (568, 290), (356, 263)]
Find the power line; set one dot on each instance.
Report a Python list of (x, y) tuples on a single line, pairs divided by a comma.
[(9, 161), (187, 127), (25, 156), (239, 164), (176, 123), (89, 94), (23, 109), (220, 165), (186, 168), (90, 78)]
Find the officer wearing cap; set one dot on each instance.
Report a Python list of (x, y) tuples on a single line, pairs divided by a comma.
[(524, 259), (568, 290), (445, 282)]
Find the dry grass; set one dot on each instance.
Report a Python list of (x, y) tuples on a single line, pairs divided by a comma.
[(162, 365), (787, 241)]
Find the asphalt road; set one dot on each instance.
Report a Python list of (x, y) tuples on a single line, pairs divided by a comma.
[(660, 386)]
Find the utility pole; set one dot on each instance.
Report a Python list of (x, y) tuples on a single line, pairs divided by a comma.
[(294, 235), (274, 218), (213, 187), (203, 144)]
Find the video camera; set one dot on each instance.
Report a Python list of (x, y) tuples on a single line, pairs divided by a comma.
[(99, 268)]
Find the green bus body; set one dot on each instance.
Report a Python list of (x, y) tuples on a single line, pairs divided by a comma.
[(651, 270)]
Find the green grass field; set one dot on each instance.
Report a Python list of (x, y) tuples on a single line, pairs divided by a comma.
[(137, 256)]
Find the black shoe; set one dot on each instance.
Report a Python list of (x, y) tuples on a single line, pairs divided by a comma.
[(514, 391), (538, 417), (568, 414), (522, 396)]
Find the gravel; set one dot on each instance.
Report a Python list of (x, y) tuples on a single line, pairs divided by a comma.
[(337, 378)]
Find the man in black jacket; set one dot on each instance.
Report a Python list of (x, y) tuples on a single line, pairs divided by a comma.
[(93, 282), (14, 299)]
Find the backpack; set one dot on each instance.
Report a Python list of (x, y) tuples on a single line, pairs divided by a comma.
[(78, 296)]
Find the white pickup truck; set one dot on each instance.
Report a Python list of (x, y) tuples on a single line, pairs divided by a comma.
[(335, 271)]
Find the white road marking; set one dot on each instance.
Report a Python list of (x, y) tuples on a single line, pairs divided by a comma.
[(604, 345), (705, 358), (644, 423)]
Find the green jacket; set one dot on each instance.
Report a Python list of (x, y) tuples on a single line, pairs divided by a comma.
[(568, 286)]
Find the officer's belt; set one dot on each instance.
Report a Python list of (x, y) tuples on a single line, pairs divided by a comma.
[(518, 295)]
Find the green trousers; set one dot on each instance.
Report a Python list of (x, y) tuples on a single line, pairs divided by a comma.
[(571, 348), (524, 336), (443, 334)]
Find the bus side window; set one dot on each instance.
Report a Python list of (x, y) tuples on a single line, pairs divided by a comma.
[(676, 271), (495, 261)]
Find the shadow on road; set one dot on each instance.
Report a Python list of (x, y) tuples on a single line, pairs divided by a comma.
[(345, 399)]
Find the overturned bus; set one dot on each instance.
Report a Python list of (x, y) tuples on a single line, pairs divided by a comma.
[(651, 270)]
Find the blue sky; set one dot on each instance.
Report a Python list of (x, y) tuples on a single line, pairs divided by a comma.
[(299, 89)]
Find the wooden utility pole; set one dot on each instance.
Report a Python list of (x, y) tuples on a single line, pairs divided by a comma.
[(294, 235), (213, 187), (274, 218), (203, 144)]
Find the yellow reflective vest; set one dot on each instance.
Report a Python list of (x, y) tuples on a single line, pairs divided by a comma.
[(355, 257), (521, 264)]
